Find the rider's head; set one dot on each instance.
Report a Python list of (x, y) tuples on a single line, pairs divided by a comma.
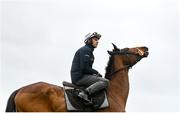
[(92, 38)]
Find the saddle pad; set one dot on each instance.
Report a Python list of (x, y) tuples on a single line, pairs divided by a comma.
[(73, 103)]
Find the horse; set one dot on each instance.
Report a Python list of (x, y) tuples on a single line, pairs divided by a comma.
[(45, 97)]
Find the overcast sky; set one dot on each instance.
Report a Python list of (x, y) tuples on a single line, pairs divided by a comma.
[(39, 39)]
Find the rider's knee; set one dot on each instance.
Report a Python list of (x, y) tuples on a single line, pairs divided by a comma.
[(105, 82)]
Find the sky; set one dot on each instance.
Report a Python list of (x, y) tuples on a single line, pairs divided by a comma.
[(39, 39)]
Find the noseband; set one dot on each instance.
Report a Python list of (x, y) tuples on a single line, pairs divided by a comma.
[(127, 53)]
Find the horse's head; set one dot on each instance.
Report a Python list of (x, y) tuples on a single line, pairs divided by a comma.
[(125, 58), (129, 56)]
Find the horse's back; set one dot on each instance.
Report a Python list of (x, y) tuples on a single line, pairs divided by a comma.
[(40, 96)]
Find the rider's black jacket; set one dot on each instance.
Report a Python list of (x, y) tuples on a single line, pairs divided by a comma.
[(82, 63)]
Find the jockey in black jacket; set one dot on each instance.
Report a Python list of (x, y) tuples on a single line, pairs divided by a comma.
[(82, 73)]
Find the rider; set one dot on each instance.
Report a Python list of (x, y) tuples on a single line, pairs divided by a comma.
[(82, 73)]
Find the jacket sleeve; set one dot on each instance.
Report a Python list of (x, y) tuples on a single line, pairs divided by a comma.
[(86, 63)]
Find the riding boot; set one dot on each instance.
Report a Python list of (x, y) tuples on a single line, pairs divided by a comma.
[(84, 96)]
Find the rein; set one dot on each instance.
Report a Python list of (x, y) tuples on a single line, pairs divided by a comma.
[(120, 69)]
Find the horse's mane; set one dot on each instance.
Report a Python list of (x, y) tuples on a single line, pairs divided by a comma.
[(109, 67)]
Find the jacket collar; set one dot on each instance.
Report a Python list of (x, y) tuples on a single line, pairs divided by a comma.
[(90, 46)]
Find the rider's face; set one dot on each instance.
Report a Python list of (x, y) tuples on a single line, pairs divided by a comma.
[(95, 42)]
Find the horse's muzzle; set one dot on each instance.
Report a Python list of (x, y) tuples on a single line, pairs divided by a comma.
[(146, 54)]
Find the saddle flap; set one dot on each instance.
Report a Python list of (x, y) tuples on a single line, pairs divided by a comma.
[(75, 104)]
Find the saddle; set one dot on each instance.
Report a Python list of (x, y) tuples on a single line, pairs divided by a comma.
[(74, 103)]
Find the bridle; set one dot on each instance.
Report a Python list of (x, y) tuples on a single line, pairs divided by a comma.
[(139, 55)]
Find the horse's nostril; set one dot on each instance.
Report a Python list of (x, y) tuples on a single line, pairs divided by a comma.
[(146, 54)]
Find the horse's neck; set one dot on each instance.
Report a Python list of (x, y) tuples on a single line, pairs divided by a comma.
[(119, 88)]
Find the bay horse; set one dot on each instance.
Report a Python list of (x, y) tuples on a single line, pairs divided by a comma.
[(45, 97)]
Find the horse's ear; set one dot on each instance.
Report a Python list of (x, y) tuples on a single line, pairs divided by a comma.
[(110, 52), (115, 47)]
